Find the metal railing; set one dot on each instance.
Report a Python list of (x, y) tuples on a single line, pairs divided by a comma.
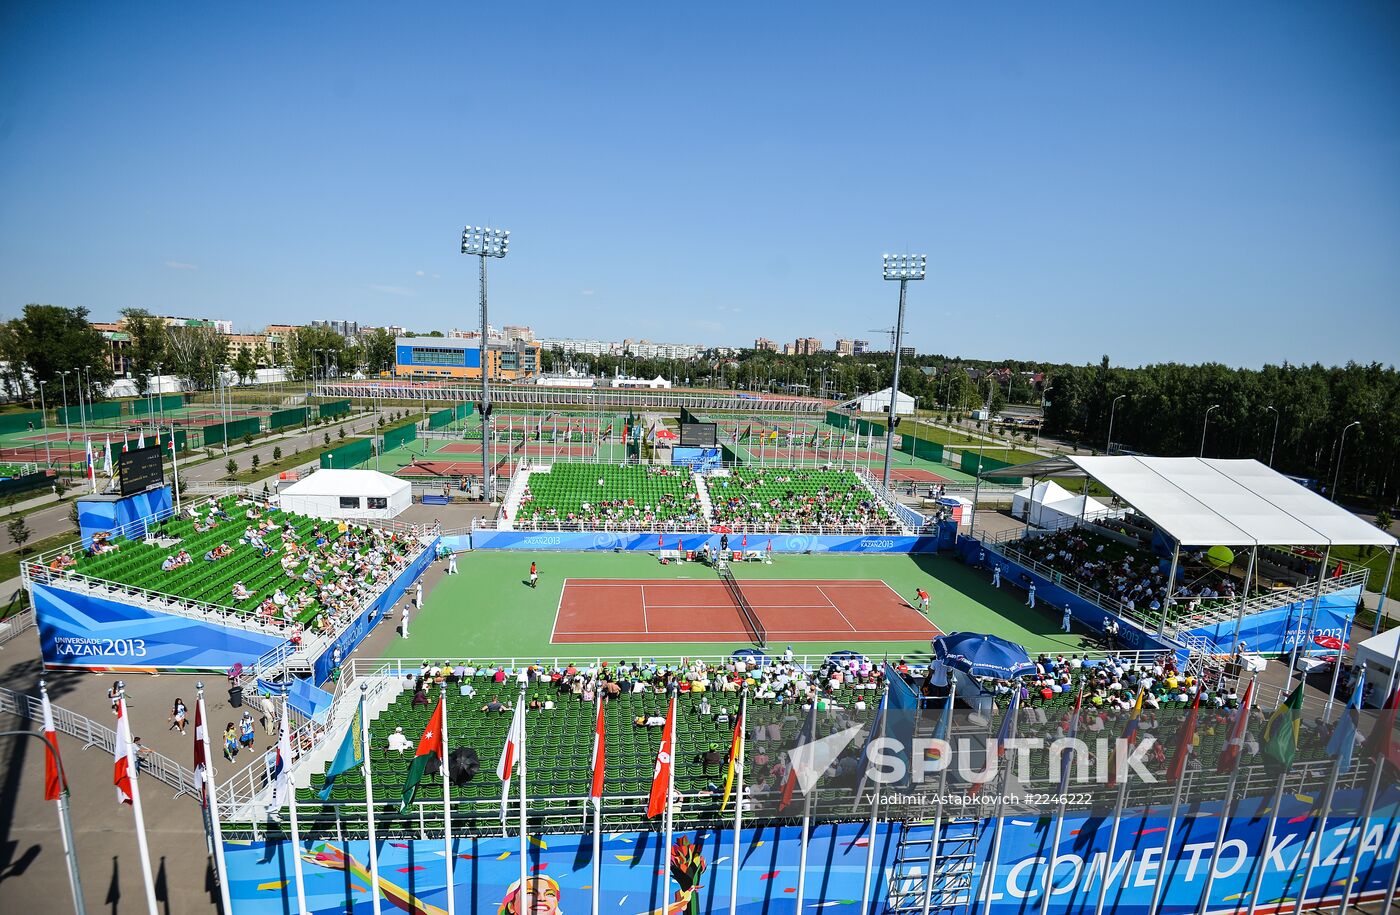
[(912, 520), (12, 626), (614, 400), (93, 734)]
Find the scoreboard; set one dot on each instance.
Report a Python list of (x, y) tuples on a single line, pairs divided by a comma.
[(140, 469), (699, 435)]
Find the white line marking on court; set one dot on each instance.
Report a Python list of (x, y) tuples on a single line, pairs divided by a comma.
[(832, 603)]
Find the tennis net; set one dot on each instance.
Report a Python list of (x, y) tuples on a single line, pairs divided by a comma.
[(756, 629)]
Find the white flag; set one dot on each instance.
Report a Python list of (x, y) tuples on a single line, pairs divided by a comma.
[(107, 458)]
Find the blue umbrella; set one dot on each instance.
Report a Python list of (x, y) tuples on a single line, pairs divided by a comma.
[(983, 655), (845, 654), (750, 656)]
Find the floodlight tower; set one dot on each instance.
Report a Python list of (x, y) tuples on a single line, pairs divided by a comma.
[(484, 242), (903, 268)]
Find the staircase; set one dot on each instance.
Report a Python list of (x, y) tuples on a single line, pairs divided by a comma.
[(949, 891), (519, 481), (702, 490)]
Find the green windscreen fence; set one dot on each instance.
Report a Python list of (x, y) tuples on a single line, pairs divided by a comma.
[(839, 420), (968, 464), (349, 455), (400, 436), (283, 418), (215, 434), (333, 408), (20, 422), (442, 418), (929, 451), (145, 406), (865, 427), (464, 410), (111, 409)]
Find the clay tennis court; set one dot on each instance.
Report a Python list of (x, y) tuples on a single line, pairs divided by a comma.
[(798, 610)]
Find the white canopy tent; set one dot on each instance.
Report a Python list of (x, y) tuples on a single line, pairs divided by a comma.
[(1378, 654), (1203, 501), (1048, 504), (344, 494), (879, 402)]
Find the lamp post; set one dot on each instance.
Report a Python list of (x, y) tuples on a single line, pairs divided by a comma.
[(1274, 440), (484, 242), (43, 418), (1205, 425), (82, 406), (1108, 447), (1337, 474), (899, 268), (1041, 424)]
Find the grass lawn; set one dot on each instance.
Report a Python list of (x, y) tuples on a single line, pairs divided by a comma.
[(9, 562), (1376, 562), (488, 610)]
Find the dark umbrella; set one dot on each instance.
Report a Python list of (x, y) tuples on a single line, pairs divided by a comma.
[(983, 655)]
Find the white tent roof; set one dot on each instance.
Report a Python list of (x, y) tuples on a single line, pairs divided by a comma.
[(1201, 501), (346, 483), (1044, 493)]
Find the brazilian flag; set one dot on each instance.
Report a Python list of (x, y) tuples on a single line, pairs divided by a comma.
[(1280, 743)]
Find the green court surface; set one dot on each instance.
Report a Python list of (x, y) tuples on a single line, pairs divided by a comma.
[(489, 611)]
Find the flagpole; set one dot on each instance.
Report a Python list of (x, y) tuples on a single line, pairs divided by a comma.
[(738, 801), (942, 791), (802, 852), (296, 828), (1227, 806), (65, 824), (524, 905), (597, 818), (669, 816), (175, 468), (1167, 842), (984, 890), (874, 818), (369, 802), (133, 766), (1364, 822), (1112, 844), (1268, 843), (1060, 814), (220, 867), (446, 808)]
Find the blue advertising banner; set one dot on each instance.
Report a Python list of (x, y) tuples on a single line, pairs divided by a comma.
[(1080, 860), (413, 878), (107, 514), (1278, 629), (355, 633), (697, 459), (643, 542), (86, 632)]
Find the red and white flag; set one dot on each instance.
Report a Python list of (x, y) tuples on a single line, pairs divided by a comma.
[(1230, 755), (53, 772), (199, 761), (599, 755), (510, 753), (122, 765), (665, 759)]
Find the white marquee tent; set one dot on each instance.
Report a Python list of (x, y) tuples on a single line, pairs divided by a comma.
[(340, 494), (879, 402)]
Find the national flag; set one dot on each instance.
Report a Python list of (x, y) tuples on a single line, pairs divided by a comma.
[(1128, 738), (1380, 745), (200, 735), (1230, 755), (1067, 759), (91, 462), (1280, 743), (351, 754), (1006, 733), (122, 765), (624, 433), (1342, 744), (54, 784), (877, 730), (748, 432), (659, 798), (141, 438), (1340, 568), (733, 757), (608, 434), (510, 753), (124, 442), (599, 755), (429, 747), (107, 457), (805, 737), (1185, 741)]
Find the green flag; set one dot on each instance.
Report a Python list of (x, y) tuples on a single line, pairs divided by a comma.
[(1280, 743), (428, 747)]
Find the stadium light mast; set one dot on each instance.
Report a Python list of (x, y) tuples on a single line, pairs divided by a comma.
[(1274, 440), (1108, 447), (485, 242), (901, 268)]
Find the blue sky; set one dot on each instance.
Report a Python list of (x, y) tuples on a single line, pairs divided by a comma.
[(1188, 181)]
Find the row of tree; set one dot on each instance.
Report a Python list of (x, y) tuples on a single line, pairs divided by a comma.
[(1289, 416), (59, 348)]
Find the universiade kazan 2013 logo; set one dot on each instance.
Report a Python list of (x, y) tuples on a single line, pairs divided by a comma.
[(540, 540)]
